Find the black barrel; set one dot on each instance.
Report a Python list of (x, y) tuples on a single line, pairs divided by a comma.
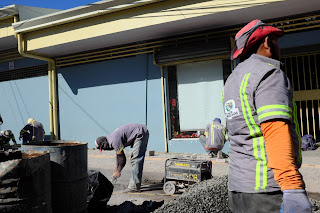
[(69, 165), (25, 183)]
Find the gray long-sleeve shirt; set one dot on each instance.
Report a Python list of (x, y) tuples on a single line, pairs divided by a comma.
[(256, 91), (126, 136)]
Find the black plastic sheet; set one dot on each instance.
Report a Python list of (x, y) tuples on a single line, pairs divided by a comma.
[(129, 207), (99, 191)]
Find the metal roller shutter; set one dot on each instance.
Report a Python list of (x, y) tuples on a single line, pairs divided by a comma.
[(28, 72), (194, 50)]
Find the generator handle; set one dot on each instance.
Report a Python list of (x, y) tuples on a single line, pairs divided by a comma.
[(165, 171)]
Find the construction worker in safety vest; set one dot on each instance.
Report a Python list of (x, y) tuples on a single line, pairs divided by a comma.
[(33, 131), (265, 144), (5, 137), (215, 137)]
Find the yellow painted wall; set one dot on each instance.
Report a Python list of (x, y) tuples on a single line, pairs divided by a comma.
[(148, 15), (5, 28)]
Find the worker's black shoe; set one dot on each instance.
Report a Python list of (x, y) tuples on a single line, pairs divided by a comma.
[(211, 155), (131, 191)]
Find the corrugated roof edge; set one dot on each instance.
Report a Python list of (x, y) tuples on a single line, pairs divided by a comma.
[(8, 11), (27, 12), (77, 13), (24, 12)]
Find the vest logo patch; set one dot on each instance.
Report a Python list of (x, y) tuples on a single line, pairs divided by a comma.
[(230, 109)]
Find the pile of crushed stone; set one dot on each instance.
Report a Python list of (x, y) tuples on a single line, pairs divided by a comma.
[(315, 205), (206, 196)]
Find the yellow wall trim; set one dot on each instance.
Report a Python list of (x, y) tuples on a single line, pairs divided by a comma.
[(306, 95)]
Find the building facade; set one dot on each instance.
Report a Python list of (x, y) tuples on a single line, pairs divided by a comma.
[(159, 63)]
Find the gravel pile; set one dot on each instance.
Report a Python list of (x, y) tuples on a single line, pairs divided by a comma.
[(315, 205), (206, 196)]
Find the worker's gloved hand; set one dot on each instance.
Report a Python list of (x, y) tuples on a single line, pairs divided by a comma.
[(295, 201), (115, 176), (113, 179), (20, 137)]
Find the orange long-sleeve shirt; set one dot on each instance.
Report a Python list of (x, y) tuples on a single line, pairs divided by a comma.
[(280, 153)]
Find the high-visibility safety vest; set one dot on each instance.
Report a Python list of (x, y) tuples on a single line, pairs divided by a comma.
[(5, 140), (255, 92), (35, 130), (216, 133)]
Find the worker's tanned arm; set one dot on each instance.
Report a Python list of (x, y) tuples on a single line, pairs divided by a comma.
[(121, 161), (280, 154)]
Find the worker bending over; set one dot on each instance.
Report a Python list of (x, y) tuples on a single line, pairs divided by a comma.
[(5, 137), (265, 144), (215, 137), (33, 131), (134, 135)]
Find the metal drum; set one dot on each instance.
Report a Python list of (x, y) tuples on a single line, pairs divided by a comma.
[(25, 183), (69, 164)]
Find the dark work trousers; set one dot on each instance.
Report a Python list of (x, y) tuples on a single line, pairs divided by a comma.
[(255, 202), (4, 146), (26, 137), (202, 140)]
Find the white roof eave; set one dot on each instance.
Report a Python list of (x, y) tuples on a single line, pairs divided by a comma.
[(75, 14)]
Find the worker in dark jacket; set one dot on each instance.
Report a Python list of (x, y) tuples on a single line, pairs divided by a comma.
[(5, 137), (1, 121), (33, 131), (134, 135)]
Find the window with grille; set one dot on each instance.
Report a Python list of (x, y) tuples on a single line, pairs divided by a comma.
[(303, 72)]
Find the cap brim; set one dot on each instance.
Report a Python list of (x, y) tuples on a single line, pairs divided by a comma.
[(274, 31), (100, 140), (236, 52)]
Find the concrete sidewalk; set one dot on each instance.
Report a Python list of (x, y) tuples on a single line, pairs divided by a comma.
[(154, 167)]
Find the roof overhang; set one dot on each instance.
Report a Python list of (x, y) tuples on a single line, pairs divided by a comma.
[(7, 38), (78, 13), (8, 11), (105, 23)]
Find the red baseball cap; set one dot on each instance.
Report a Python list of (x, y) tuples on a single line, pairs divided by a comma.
[(250, 34)]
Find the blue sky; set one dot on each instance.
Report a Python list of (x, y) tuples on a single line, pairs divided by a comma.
[(54, 4)]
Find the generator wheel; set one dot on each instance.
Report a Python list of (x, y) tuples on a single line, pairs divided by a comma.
[(169, 187)]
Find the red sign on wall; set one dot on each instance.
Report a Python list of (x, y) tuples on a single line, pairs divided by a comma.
[(11, 65)]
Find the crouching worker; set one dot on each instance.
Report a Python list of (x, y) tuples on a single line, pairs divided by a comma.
[(215, 137), (5, 137), (134, 135), (33, 131)]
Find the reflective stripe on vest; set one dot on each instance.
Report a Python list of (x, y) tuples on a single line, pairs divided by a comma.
[(222, 95), (255, 133), (33, 131), (270, 110), (212, 134)]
